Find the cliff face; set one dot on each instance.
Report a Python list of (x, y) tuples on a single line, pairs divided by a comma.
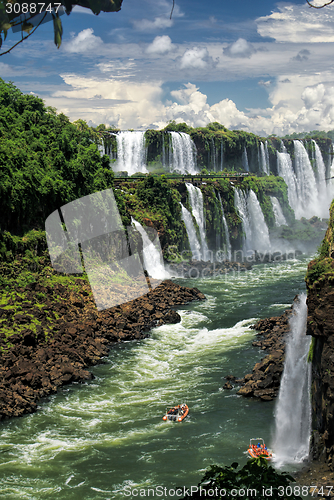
[(320, 324)]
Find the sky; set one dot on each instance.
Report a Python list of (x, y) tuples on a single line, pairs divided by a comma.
[(261, 66)]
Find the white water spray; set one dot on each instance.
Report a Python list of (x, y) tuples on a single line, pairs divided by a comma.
[(194, 244), (131, 152), (196, 202), (293, 410), (280, 220), (245, 163), (152, 254), (182, 154), (255, 227), (264, 157), (227, 236)]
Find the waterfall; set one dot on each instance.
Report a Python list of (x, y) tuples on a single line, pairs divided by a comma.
[(264, 158), (131, 152), (221, 156), (255, 227), (306, 183), (277, 209), (325, 195), (196, 203), (245, 164), (100, 148), (214, 156), (293, 410), (153, 262), (182, 154), (228, 252), (194, 244), (240, 201), (285, 170)]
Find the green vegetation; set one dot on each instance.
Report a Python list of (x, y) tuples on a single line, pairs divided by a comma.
[(323, 265), (46, 161), (256, 479)]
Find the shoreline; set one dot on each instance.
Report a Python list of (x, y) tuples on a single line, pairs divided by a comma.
[(32, 367)]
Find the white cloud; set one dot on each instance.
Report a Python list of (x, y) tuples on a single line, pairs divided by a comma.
[(156, 24), (240, 48), (298, 24), (196, 57), (160, 45), (85, 41)]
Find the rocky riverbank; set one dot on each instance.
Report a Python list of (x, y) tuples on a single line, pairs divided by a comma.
[(70, 336), (264, 381)]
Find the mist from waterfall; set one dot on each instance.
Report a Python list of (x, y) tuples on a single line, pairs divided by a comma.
[(153, 261), (194, 244), (256, 234), (131, 152), (197, 209), (293, 409), (228, 252), (182, 154), (280, 220)]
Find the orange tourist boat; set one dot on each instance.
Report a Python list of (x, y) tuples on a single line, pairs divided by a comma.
[(257, 448), (176, 413)]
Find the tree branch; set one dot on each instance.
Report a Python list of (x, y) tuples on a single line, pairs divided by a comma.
[(170, 17), (321, 6), (22, 39)]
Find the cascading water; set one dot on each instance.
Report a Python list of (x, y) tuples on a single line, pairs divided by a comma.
[(194, 244), (264, 158), (285, 170), (228, 252), (293, 410), (245, 164), (306, 184), (221, 156), (196, 203), (325, 194), (280, 220), (152, 255), (182, 154), (131, 152), (255, 228)]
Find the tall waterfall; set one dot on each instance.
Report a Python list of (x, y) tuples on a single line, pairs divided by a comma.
[(131, 152), (245, 164), (227, 236), (194, 244), (277, 209), (306, 183), (293, 410), (182, 154), (196, 202), (264, 157), (152, 254), (255, 227), (285, 170)]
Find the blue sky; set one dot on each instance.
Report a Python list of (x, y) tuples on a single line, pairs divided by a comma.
[(262, 66)]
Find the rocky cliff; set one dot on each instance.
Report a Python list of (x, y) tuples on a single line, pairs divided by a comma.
[(320, 324)]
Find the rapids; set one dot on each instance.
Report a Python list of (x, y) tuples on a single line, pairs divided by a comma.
[(92, 441)]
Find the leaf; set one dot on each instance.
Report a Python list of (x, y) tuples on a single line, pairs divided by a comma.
[(58, 30), (27, 27)]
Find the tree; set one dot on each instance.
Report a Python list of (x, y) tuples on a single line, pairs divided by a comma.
[(26, 17), (256, 479)]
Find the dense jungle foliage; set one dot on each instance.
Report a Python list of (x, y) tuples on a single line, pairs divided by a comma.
[(46, 161)]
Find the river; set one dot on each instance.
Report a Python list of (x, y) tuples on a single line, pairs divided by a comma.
[(98, 440)]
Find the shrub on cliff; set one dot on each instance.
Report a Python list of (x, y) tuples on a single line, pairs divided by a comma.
[(256, 479)]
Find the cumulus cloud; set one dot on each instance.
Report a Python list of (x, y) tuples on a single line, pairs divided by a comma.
[(85, 41), (156, 24), (298, 24), (196, 58), (160, 45), (240, 48)]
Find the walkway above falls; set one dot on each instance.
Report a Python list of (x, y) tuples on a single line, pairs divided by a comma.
[(193, 179)]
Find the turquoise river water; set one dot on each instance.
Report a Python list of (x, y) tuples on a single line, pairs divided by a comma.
[(103, 438)]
